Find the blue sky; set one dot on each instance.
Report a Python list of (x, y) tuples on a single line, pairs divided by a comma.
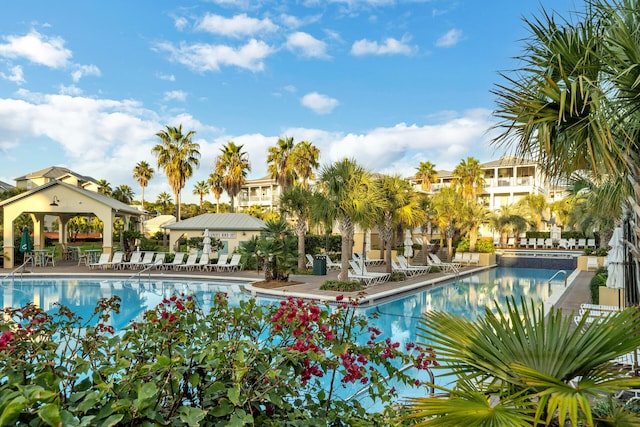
[(390, 83)]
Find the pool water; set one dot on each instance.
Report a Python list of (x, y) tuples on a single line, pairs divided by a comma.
[(398, 319)]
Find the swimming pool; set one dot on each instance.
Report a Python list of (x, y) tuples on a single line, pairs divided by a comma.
[(398, 319)]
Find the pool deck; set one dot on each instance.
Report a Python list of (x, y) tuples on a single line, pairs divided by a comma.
[(569, 299)]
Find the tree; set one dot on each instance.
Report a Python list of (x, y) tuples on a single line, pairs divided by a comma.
[(215, 185), (143, 172), (506, 220), (474, 214), (296, 201), (232, 164), (427, 175), (200, 189), (447, 206), (468, 178), (104, 187), (164, 199), (305, 161), (533, 207), (525, 367), (280, 164), (123, 193), (277, 250), (399, 206), (347, 196), (177, 155)]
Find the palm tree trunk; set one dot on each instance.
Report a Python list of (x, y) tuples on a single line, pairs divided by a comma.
[(231, 207)]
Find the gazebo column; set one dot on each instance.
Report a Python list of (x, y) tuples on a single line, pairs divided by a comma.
[(107, 216), (38, 238), (9, 237)]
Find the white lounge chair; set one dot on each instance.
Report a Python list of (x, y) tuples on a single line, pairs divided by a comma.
[(540, 242), (434, 261), (158, 261), (475, 259), (147, 260), (309, 263), (116, 261), (419, 269), (511, 242), (523, 243), (368, 261), (178, 259), (234, 264), (332, 265), (189, 265), (572, 243), (222, 260), (459, 257), (361, 269), (592, 263), (102, 262), (133, 262), (548, 243), (591, 243), (563, 243), (203, 263), (582, 243)]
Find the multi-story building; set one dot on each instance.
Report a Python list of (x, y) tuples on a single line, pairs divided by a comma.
[(56, 173), (264, 192)]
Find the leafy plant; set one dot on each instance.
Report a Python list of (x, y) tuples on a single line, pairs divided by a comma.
[(599, 279), (340, 286), (247, 364)]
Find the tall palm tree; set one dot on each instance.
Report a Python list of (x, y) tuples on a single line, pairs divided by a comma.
[(505, 220), (468, 178), (104, 187), (347, 195), (143, 172), (427, 174), (200, 189), (296, 201), (533, 207), (232, 164), (280, 164), (177, 154), (215, 185), (448, 207), (305, 161), (164, 199), (400, 208)]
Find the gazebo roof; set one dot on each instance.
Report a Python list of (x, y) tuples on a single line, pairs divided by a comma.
[(217, 221)]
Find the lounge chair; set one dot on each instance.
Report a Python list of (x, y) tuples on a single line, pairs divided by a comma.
[(361, 269), (158, 261), (419, 269), (189, 265), (103, 261), (474, 259), (332, 265), (146, 261), (466, 257), (309, 263), (459, 257), (133, 262), (548, 243), (563, 243), (531, 243), (178, 259), (572, 243), (116, 261), (234, 264), (523, 243), (582, 243), (222, 260), (540, 242), (368, 261), (397, 268), (592, 263), (203, 263), (591, 243), (434, 261), (511, 242)]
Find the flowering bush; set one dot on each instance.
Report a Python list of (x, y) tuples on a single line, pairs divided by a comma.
[(249, 364)]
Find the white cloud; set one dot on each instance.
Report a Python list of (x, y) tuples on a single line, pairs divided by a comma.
[(320, 104), (70, 90), (237, 26), (85, 70), (180, 23), (167, 77), (16, 75), (450, 38), (177, 95), (390, 46), (203, 57), (37, 48), (306, 45)]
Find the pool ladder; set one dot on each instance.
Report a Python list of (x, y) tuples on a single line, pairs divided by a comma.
[(15, 270), (557, 273)]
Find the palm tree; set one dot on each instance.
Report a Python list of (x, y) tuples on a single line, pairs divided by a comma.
[(296, 201), (533, 208), (447, 206), (123, 193), (215, 185), (104, 187), (505, 220), (525, 367), (143, 172), (164, 199), (280, 164), (427, 175), (347, 196), (177, 155), (305, 161), (399, 206), (200, 189), (474, 214), (468, 178), (232, 164)]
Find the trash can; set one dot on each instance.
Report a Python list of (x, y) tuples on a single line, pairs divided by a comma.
[(319, 265)]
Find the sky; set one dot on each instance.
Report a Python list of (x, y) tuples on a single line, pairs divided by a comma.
[(87, 85)]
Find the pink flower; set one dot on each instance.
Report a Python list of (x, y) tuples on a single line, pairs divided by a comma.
[(339, 297)]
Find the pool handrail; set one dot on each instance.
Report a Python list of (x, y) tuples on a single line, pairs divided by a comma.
[(138, 273), (563, 272), (28, 259)]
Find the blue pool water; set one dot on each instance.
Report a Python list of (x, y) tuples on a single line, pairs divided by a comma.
[(397, 319)]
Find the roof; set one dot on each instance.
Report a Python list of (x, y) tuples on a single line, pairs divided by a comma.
[(4, 186), (114, 204), (54, 172), (160, 220), (219, 221), (508, 161)]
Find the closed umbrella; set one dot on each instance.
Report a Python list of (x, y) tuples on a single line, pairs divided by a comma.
[(408, 244), (25, 243), (615, 260), (206, 244)]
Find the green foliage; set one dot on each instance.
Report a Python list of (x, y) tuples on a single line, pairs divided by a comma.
[(313, 243), (340, 286), (271, 365), (599, 279), (602, 252), (397, 276), (482, 246), (278, 250)]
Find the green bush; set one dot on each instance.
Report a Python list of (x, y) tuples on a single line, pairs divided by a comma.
[(340, 286), (235, 365), (599, 279), (482, 246)]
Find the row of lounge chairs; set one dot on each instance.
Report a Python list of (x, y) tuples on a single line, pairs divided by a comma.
[(467, 258), (541, 243), (157, 261)]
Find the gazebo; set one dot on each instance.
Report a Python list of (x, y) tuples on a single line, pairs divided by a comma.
[(64, 201)]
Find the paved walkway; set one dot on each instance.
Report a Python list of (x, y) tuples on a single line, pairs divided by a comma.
[(577, 291)]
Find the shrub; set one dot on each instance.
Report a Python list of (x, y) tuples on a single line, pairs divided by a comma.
[(398, 276), (235, 365), (599, 279), (340, 286)]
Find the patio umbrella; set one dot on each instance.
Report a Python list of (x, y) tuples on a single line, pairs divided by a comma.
[(25, 243), (206, 243), (615, 260), (408, 244)]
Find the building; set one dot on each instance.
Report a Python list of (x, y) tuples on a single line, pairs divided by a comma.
[(56, 173), (264, 192)]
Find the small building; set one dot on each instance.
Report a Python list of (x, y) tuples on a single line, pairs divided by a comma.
[(230, 228), (157, 223), (56, 173)]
